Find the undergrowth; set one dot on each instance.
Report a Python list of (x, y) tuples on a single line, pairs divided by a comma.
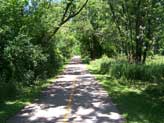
[(137, 90)]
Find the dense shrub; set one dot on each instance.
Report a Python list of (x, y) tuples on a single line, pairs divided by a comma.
[(23, 58)]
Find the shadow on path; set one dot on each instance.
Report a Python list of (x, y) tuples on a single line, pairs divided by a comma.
[(89, 104)]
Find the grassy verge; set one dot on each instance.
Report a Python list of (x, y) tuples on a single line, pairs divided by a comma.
[(138, 101), (26, 96)]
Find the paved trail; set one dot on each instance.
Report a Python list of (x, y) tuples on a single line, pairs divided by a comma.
[(75, 97)]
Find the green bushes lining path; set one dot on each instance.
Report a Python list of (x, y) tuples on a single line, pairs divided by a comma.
[(137, 90)]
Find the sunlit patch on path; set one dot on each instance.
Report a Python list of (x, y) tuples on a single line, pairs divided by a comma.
[(75, 97)]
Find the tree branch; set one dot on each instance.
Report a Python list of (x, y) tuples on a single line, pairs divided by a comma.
[(114, 17), (64, 19), (66, 10), (76, 13)]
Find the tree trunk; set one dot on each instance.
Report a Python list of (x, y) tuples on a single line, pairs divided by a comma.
[(138, 39)]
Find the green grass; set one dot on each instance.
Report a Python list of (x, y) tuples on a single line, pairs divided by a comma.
[(155, 60), (138, 101), (26, 95), (153, 71)]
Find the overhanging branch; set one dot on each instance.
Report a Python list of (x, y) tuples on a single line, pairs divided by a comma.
[(65, 19)]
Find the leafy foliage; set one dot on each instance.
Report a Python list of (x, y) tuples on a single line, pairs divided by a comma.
[(30, 47)]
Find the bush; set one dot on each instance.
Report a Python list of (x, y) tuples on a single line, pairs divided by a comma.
[(22, 60)]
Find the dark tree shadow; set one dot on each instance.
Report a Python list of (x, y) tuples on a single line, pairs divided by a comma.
[(90, 103)]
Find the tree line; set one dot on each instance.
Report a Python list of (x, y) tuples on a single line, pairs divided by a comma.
[(130, 27)]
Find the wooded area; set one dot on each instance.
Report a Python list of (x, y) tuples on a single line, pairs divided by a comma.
[(37, 37)]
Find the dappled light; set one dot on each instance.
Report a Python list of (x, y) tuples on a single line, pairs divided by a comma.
[(90, 103)]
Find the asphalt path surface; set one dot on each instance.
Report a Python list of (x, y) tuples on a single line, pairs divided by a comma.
[(75, 97)]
